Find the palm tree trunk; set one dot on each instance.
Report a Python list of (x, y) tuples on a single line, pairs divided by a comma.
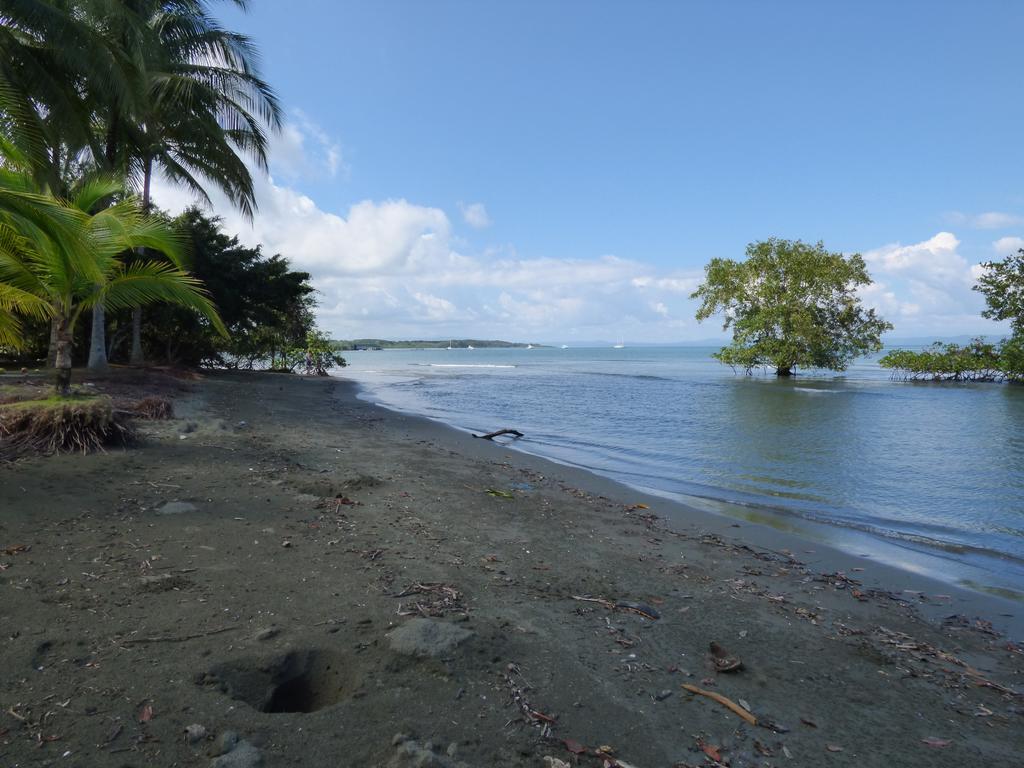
[(63, 359), (137, 356), (98, 340), (51, 351)]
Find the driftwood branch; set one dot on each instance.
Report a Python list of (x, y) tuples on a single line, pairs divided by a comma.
[(728, 703), (496, 433), (181, 639)]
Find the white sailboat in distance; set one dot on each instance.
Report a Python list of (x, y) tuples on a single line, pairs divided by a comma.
[(620, 345)]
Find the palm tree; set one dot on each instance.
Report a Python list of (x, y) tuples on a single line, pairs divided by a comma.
[(202, 112), (58, 259), (54, 69)]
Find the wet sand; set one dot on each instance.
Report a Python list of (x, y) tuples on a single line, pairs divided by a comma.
[(282, 546)]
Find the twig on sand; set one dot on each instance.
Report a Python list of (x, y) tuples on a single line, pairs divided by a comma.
[(181, 639), (517, 690), (622, 605), (498, 432), (728, 703)]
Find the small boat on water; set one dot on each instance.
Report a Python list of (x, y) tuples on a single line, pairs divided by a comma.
[(565, 346), (470, 346), (529, 346)]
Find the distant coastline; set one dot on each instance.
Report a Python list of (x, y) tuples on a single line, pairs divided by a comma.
[(370, 344)]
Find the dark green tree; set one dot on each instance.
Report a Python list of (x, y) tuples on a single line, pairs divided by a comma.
[(791, 304), (266, 306), (1002, 283)]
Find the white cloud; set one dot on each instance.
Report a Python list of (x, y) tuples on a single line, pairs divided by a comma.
[(987, 220), (394, 268), (926, 288), (1006, 246), (475, 214), (304, 151)]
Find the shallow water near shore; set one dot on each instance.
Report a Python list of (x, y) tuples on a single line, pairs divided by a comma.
[(929, 477)]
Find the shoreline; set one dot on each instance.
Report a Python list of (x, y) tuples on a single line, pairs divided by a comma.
[(1007, 615), (315, 574)]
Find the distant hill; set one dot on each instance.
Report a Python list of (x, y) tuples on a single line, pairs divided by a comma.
[(351, 344)]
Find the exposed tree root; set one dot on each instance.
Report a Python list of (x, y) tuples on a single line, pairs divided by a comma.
[(152, 407), (61, 425)]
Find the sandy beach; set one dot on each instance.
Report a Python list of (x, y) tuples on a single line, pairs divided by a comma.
[(286, 575)]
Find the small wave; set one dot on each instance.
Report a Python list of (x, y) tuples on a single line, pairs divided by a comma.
[(818, 391), (467, 365), (642, 376)]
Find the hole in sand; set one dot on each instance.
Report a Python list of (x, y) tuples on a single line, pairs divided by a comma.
[(298, 681)]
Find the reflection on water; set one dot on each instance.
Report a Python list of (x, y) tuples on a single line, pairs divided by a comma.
[(937, 465)]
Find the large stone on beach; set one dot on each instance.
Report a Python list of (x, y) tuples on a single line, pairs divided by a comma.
[(244, 755), (177, 508), (427, 638)]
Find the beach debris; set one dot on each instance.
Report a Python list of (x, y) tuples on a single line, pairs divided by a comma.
[(833, 748), (957, 621), (437, 599), (178, 639), (146, 713), (194, 733), (723, 660), (499, 494), (575, 747), (726, 702), (16, 549), (622, 605), (498, 432), (152, 407), (518, 687), (641, 608), (907, 644), (935, 742), (715, 753), (554, 762)]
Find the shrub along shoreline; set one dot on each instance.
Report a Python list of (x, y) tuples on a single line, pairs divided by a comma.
[(976, 361)]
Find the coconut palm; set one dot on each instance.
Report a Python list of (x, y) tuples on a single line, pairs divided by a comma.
[(202, 112), (54, 69), (68, 259)]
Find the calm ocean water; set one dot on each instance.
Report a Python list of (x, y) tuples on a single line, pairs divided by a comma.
[(927, 476)]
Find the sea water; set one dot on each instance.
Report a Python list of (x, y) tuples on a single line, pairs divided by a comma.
[(928, 476)]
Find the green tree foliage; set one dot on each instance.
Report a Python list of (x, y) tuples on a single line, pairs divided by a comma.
[(266, 306), (316, 357), (128, 87), (1002, 283), (977, 361), (57, 259), (791, 304)]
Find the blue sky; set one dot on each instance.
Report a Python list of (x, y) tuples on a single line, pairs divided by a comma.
[(563, 170)]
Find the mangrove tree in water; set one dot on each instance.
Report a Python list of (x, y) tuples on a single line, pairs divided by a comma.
[(791, 304)]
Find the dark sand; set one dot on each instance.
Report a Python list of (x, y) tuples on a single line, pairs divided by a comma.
[(271, 582)]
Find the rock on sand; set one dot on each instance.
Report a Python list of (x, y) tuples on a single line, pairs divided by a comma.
[(427, 638)]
